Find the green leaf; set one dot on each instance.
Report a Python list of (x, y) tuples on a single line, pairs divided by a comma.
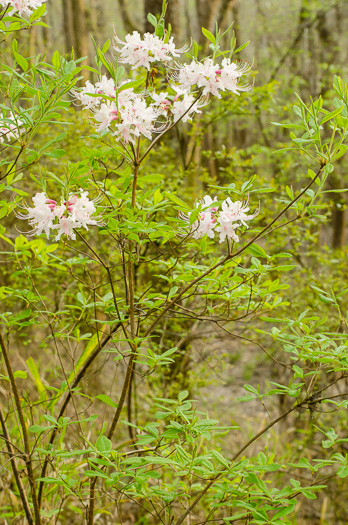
[(183, 395), (172, 291), (54, 481), (106, 399), (208, 35), (38, 428), (56, 60), (22, 62), (90, 347), (56, 154), (325, 299), (36, 376), (220, 459), (106, 46), (103, 444), (152, 19), (284, 512), (257, 251), (177, 201), (332, 115), (132, 84), (243, 46), (20, 374), (342, 472)]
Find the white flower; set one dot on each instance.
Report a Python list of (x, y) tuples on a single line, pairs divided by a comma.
[(131, 118), (223, 221), (138, 52), (138, 118), (41, 216), (22, 7), (212, 77), (206, 222), (10, 127), (161, 103), (83, 95), (105, 115), (47, 215), (106, 86), (185, 105), (66, 227), (82, 209), (233, 214)]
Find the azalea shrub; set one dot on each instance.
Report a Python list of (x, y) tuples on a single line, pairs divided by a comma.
[(108, 266)]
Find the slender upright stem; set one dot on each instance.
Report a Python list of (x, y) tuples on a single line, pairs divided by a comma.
[(130, 364), (19, 483), (23, 426), (134, 188)]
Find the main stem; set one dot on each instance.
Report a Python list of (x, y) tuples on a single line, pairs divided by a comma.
[(23, 426), (135, 180)]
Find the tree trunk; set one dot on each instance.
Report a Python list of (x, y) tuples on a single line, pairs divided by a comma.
[(155, 8), (173, 17), (68, 25), (126, 18), (80, 31), (208, 15)]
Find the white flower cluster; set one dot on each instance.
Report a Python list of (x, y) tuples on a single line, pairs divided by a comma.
[(22, 7), (213, 78), (134, 114), (48, 215), (10, 127), (128, 115), (138, 52), (224, 221)]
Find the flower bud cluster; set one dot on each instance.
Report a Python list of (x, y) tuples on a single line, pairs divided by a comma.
[(224, 219), (47, 215)]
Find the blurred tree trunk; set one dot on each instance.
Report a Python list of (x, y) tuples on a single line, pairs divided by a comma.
[(68, 25), (75, 29), (329, 46), (155, 8), (80, 31), (126, 18), (173, 16), (226, 7), (208, 14)]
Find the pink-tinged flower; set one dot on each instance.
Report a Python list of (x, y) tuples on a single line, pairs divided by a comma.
[(41, 216), (206, 222), (66, 227), (213, 78), (185, 106), (10, 127), (137, 51), (232, 216), (105, 115), (224, 220), (84, 95), (22, 7), (160, 103), (47, 215), (82, 209), (105, 86)]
